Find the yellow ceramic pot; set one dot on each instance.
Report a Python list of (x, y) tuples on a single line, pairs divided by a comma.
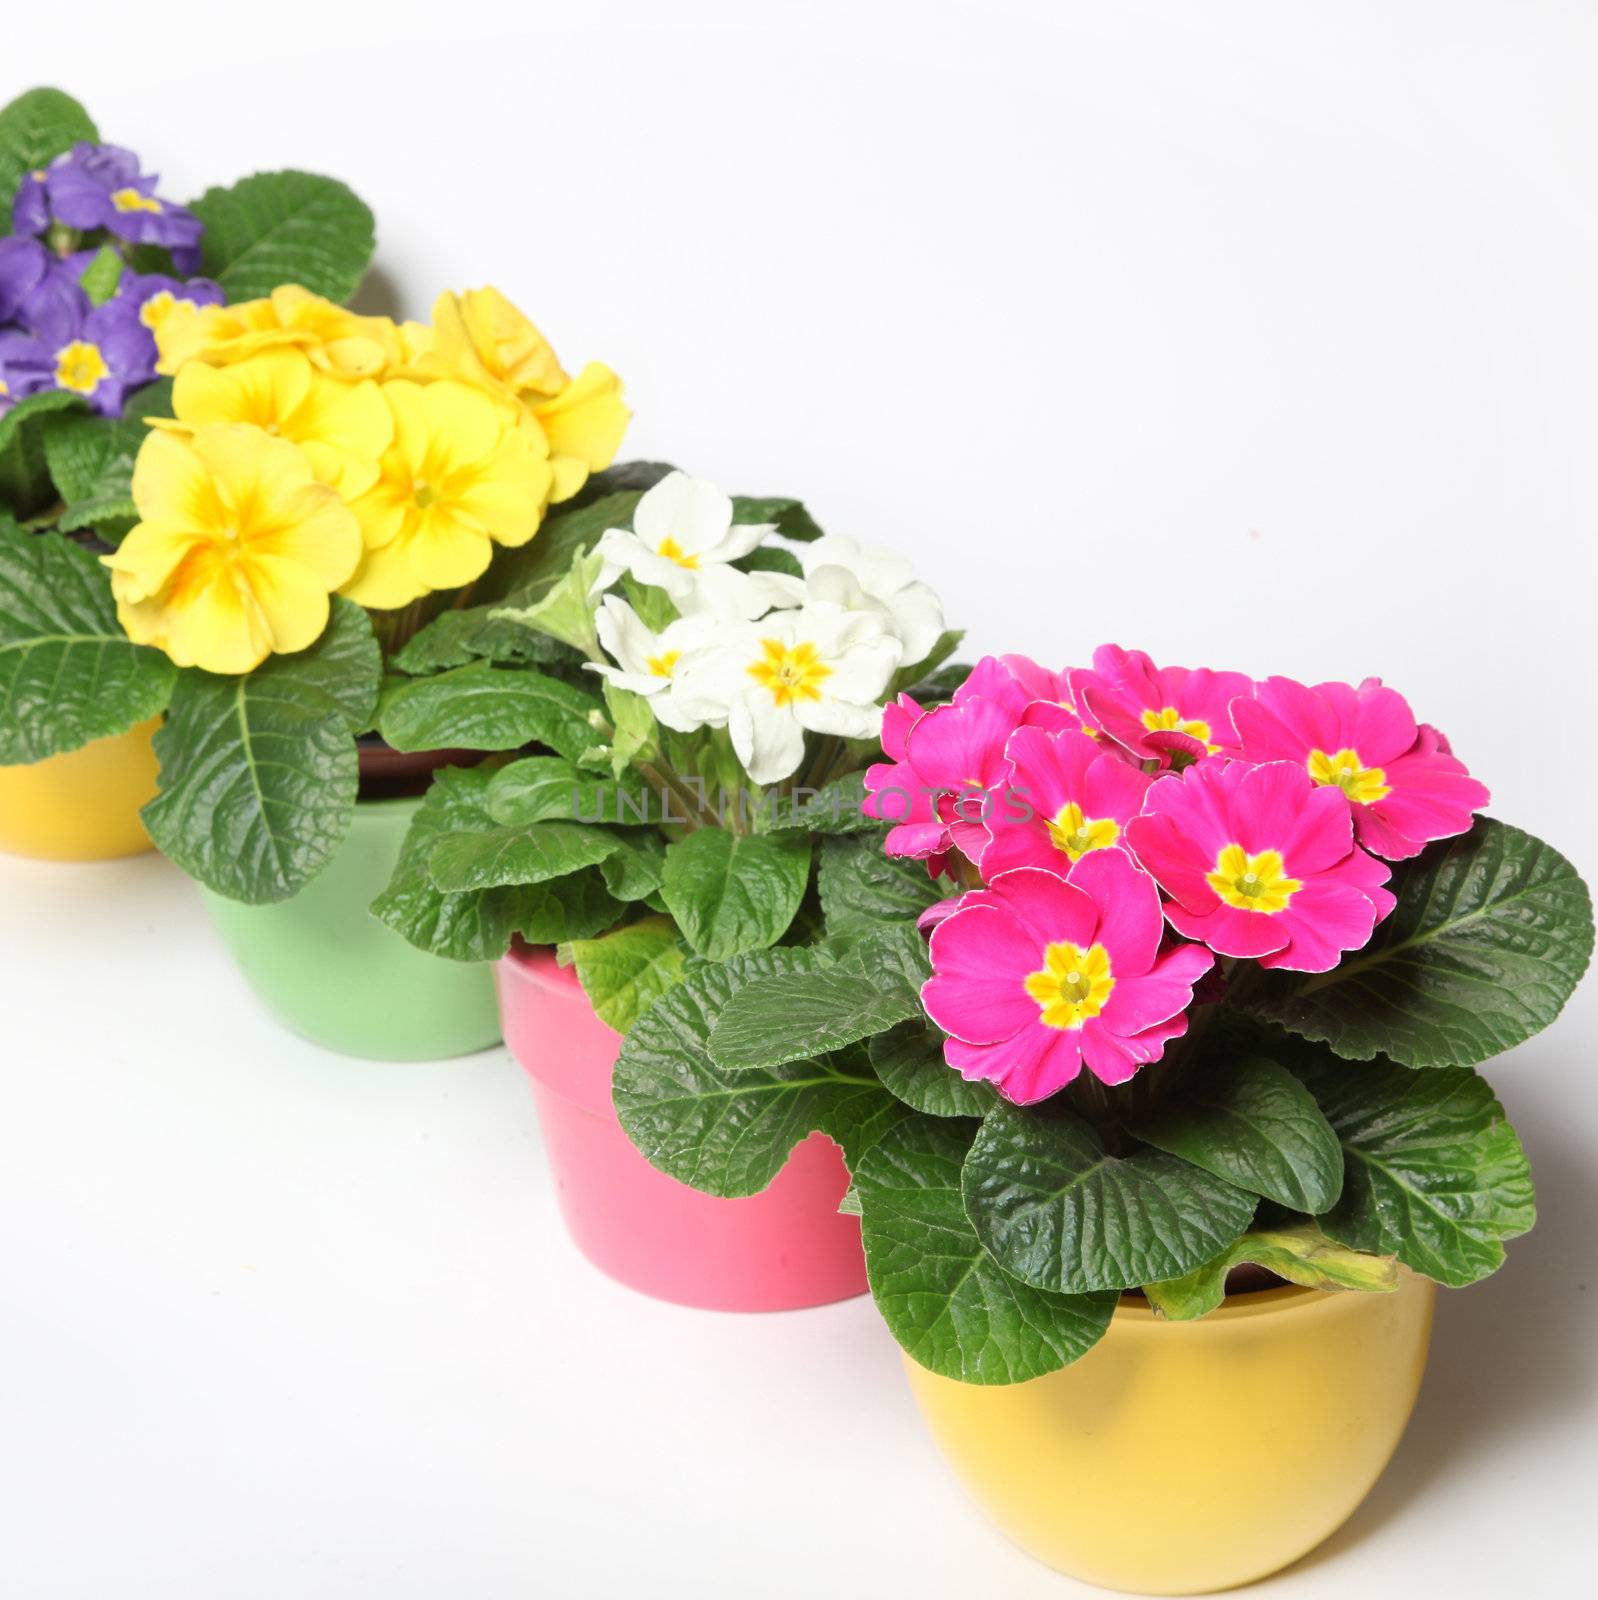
[(83, 805), (1184, 1457)]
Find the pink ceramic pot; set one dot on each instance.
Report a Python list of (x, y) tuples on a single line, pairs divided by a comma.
[(779, 1250)]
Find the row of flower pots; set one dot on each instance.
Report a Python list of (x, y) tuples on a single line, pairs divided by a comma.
[(1115, 1025), (1293, 1399)]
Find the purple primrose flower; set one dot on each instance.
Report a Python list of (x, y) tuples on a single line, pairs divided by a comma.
[(100, 186)]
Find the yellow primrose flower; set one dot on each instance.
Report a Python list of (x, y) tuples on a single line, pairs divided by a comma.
[(583, 424), (460, 477), (482, 338), (334, 339), (236, 551), (343, 428)]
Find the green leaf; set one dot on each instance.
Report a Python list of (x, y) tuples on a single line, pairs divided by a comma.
[(68, 673), (635, 870), (789, 517), (624, 475), (258, 778), (1057, 1210), (100, 511), (771, 558), (625, 972), (944, 1298), (346, 664), (1492, 933), (479, 925), (483, 707), (732, 893), (1301, 1254), (635, 729), (1434, 1172), (35, 128), (565, 613), (457, 637), (526, 575), (91, 458), (285, 227), (24, 474), (729, 1133), (909, 1061), (834, 808), (506, 856), (553, 789), (99, 279), (863, 888), (1252, 1122), (798, 1014)]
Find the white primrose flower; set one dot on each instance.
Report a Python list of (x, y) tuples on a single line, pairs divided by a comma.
[(728, 593), (875, 581), (682, 530), (652, 664), (818, 668)]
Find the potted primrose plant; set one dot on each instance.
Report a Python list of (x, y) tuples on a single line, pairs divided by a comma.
[(247, 552), (91, 258), (717, 695), (1146, 1006)]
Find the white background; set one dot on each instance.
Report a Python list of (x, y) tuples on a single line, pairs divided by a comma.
[(1261, 335)]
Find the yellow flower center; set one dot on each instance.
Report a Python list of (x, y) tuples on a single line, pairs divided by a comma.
[(790, 674), (672, 551), (1252, 883), (662, 666), (425, 494), (1169, 720), (132, 200), (1072, 984), (1363, 785), (80, 367), (1076, 834), (5, 388), (156, 309)]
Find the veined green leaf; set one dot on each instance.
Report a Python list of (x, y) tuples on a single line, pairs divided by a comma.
[(478, 925), (1434, 1172), (1057, 1210), (258, 779), (834, 808), (553, 789), (68, 673), (787, 516), (483, 707), (863, 888), (625, 972), (909, 1060), (734, 893), (1250, 1121), (285, 227), (730, 1133), (945, 1299), (1491, 934), (505, 856)]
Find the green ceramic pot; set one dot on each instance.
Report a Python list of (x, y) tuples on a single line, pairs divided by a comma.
[(328, 969)]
